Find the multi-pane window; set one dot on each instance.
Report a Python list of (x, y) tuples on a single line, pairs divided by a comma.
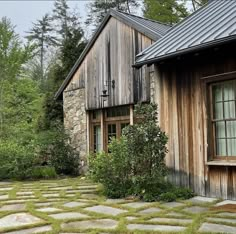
[(97, 138), (224, 118), (111, 131)]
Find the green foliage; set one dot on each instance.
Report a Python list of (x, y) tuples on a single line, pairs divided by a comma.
[(54, 150), (99, 8), (16, 160), (135, 164), (168, 197), (43, 172), (165, 11), (112, 170)]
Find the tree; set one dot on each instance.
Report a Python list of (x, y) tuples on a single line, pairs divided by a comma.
[(13, 56), (41, 35), (72, 44), (166, 11), (99, 8)]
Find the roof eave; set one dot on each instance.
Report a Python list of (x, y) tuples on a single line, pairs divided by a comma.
[(186, 51)]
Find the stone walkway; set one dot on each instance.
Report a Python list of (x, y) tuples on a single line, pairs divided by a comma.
[(74, 206)]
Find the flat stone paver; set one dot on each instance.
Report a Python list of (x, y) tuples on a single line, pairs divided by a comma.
[(217, 228), (24, 193), (217, 220), (226, 202), (199, 199), (131, 218), (51, 195), (87, 187), (18, 219), (136, 205), (227, 214), (93, 224), (150, 210), (74, 204), (5, 189), (170, 220), (195, 209), (106, 210), (115, 201), (69, 215), (61, 188), (48, 209), (172, 204), (33, 230), (4, 197), (175, 214), (43, 204), (13, 207), (151, 227)]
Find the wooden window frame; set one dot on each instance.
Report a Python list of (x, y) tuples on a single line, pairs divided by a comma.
[(210, 82)]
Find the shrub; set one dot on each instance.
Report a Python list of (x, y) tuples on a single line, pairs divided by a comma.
[(55, 150), (183, 193), (112, 170), (16, 160), (43, 172), (168, 197), (135, 164)]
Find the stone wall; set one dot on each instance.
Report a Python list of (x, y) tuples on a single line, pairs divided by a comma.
[(75, 122)]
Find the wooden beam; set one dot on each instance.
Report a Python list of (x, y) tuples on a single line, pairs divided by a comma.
[(131, 115)]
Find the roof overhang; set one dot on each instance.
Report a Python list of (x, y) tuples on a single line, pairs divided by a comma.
[(184, 52)]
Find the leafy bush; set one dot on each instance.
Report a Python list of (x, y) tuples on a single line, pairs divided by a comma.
[(43, 172), (135, 164), (168, 197), (112, 170), (54, 150), (17, 161)]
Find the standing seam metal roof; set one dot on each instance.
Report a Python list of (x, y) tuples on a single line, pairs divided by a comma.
[(152, 29), (213, 23)]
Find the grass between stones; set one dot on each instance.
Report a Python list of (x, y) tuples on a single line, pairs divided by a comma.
[(55, 193)]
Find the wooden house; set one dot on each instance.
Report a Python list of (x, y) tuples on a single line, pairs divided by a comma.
[(102, 87), (195, 88)]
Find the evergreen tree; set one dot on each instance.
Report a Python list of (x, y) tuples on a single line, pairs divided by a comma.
[(41, 35), (98, 9), (166, 11)]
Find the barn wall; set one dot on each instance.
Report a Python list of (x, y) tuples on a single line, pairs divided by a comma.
[(111, 58), (182, 97)]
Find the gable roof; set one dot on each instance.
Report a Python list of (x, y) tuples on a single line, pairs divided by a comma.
[(213, 24), (152, 29)]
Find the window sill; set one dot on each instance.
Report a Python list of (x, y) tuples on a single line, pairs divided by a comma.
[(222, 163)]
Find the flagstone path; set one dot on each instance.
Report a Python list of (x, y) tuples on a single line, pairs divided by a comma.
[(76, 206)]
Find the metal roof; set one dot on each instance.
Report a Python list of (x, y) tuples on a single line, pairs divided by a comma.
[(213, 24), (152, 29)]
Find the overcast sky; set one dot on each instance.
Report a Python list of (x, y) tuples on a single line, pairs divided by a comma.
[(23, 13)]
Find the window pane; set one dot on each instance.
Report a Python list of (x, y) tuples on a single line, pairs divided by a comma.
[(218, 110), (220, 129), (229, 90), (231, 144), (217, 93), (229, 109), (97, 138), (221, 147), (231, 128)]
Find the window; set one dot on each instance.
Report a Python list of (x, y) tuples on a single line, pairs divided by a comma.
[(97, 138), (118, 111), (111, 131), (223, 118)]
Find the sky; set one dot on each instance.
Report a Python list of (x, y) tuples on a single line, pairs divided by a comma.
[(23, 12)]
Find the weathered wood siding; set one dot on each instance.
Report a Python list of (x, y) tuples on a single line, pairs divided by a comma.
[(111, 58), (183, 106)]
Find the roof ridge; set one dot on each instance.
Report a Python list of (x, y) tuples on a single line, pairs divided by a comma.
[(141, 17)]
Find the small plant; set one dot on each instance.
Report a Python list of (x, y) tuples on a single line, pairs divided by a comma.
[(168, 197), (43, 172)]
